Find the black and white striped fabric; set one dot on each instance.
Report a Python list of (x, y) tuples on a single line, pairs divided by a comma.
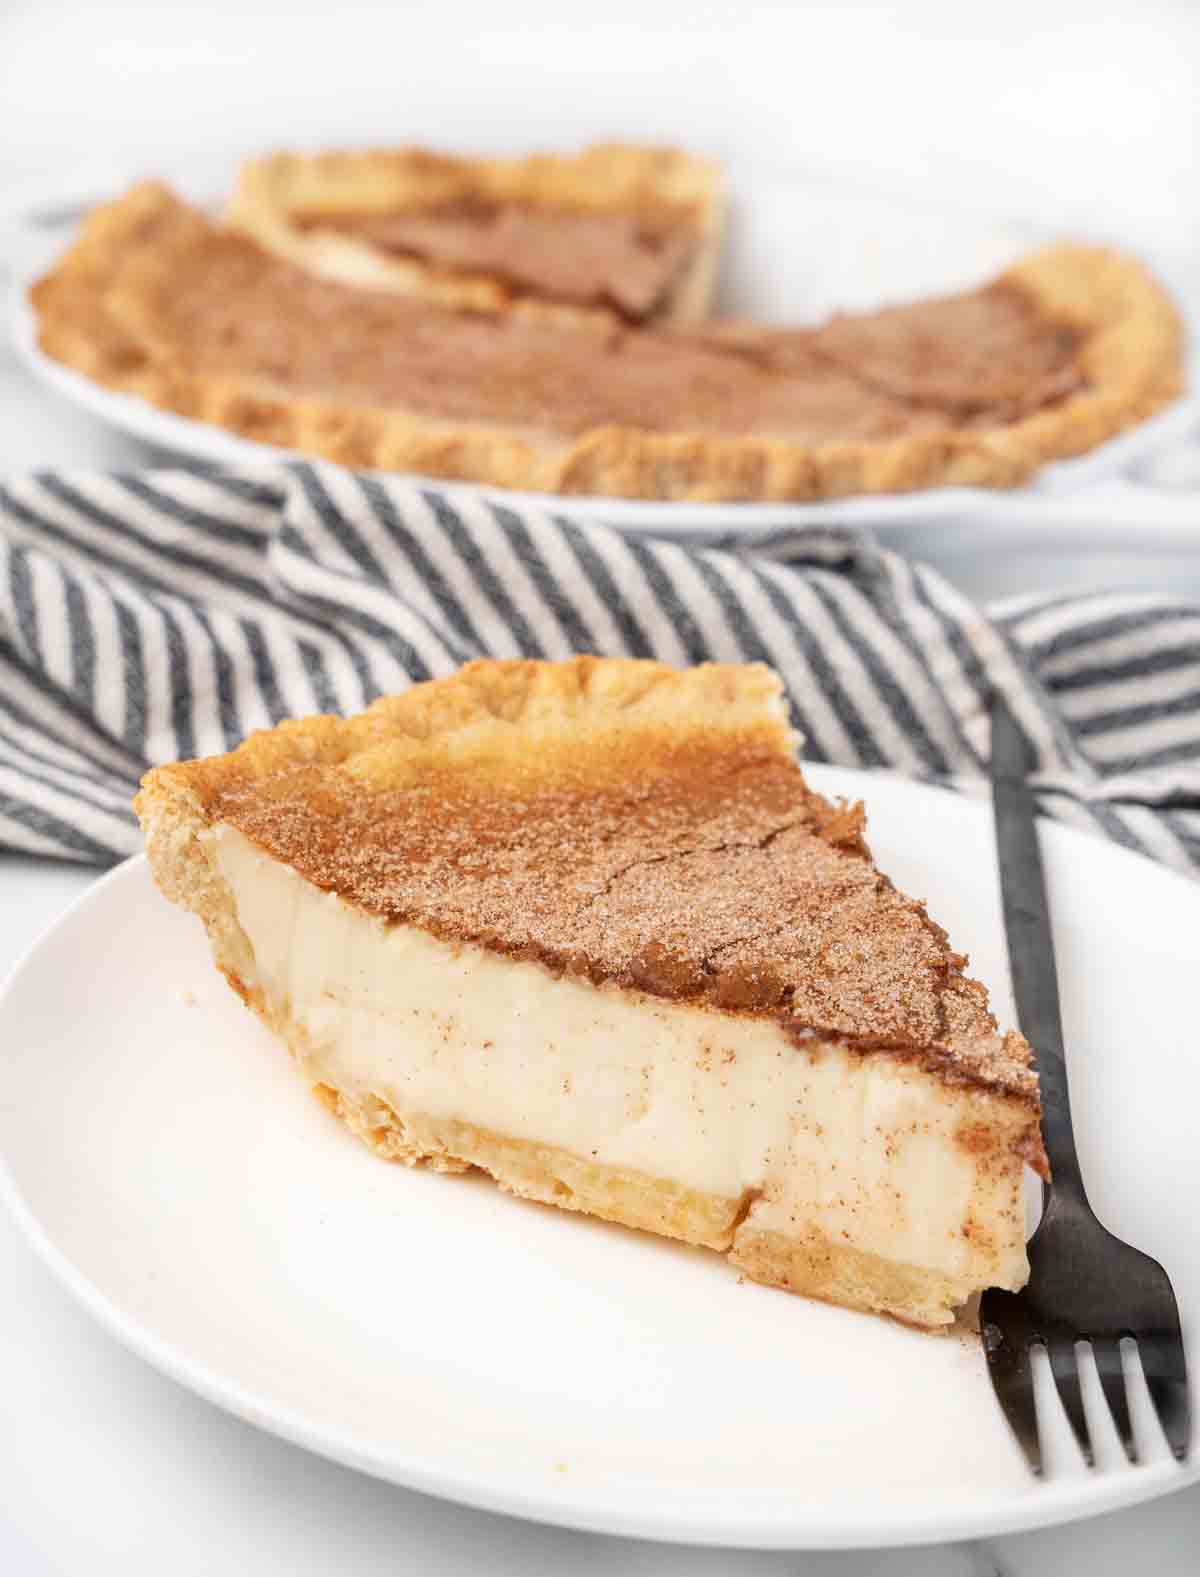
[(166, 614)]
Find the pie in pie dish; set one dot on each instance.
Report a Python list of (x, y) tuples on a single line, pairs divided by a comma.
[(1063, 350), (583, 925), (626, 231)]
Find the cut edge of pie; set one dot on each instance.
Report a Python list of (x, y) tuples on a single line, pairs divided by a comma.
[(291, 203), (527, 919), (96, 313)]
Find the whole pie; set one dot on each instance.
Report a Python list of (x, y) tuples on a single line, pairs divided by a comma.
[(538, 391), (584, 926)]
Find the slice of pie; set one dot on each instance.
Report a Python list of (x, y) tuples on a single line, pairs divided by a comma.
[(584, 925), (627, 231), (1062, 351)]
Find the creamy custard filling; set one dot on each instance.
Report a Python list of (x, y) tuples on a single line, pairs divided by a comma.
[(864, 1148)]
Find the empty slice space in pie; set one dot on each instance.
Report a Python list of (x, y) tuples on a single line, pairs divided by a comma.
[(584, 925)]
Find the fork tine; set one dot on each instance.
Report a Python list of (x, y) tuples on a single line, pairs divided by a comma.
[(1012, 1380), (1107, 1354), (1065, 1368), (1165, 1368)]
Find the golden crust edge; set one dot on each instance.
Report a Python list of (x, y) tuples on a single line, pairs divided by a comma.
[(603, 177), (1136, 355), (510, 711), (1132, 351)]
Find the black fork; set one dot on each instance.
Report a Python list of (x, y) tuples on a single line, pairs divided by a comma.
[(1085, 1285)]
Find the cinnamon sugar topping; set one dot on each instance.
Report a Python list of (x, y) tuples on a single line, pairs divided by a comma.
[(622, 260), (226, 309)]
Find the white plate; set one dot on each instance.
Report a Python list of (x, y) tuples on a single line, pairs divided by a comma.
[(772, 269), (169, 1166)]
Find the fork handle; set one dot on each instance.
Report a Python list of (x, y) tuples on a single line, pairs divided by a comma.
[(1031, 942)]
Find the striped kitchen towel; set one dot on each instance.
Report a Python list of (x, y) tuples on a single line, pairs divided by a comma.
[(165, 614)]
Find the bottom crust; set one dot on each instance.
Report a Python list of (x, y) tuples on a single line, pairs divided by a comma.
[(812, 1264), (817, 1267)]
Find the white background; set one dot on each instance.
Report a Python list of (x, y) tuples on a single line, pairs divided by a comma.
[(1076, 116), (1074, 111)]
